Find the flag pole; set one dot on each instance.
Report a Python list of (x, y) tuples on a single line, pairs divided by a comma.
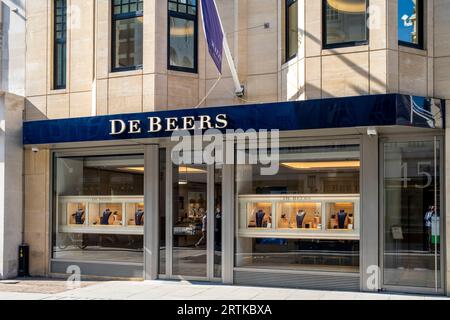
[(239, 89)]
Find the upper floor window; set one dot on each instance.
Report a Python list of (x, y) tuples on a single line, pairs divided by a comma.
[(183, 32), (344, 23), (59, 44), (291, 29), (127, 29), (410, 23)]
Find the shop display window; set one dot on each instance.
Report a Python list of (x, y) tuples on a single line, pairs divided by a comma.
[(304, 217), (98, 212), (299, 215)]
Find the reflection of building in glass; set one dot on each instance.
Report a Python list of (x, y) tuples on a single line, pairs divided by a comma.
[(345, 21), (411, 22)]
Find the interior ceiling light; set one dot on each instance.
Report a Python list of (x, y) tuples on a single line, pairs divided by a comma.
[(185, 169), (322, 165), (348, 6), (133, 169), (181, 32), (182, 169)]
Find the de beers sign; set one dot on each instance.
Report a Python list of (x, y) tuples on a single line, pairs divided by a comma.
[(158, 124)]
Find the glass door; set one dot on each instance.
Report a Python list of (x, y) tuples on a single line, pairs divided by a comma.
[(412, 225), (196, 222)]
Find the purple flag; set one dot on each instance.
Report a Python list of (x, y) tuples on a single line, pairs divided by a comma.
[(213, 31)]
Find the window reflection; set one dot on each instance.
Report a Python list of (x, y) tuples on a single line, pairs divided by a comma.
[(181, 43), (127, 26), (292, 29), (182, 35), (410, 21), (345, 22)]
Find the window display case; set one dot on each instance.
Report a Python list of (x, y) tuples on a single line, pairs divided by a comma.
[(299, 216), (340, 216), (101, 215)]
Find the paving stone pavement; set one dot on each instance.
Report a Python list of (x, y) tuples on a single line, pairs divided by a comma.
[(171, 290)]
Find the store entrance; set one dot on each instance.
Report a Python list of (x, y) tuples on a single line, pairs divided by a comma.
[(196, 225), (412, 196)]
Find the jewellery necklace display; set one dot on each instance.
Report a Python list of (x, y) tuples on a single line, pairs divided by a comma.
[(260, 214), (300, 218), (138, 216), (104, 220), (342, 216), (79, 216)]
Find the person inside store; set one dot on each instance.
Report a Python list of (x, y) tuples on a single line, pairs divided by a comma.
[(203, 238), (218, 229), (428, 222)]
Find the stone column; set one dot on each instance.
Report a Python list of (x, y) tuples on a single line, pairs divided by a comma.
[(11, 218)]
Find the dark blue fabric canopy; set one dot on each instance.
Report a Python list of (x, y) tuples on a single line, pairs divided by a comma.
[(360, 111)]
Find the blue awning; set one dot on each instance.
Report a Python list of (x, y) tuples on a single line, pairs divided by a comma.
[(360, 111)]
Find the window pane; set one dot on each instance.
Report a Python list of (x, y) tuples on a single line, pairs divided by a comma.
[(182, 43), (412, 190), (306, 217), (162, 211), (127, 6), (292, 30), (128, 43), (409, 21), (189, 253), (184, 6), (218, 218), (345, 21), (99, 208), (60, 27)]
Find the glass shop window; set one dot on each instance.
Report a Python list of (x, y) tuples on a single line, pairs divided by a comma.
[(306, 217), (59, 44), (410, 23), (99, 212), (127, 30), (344, 23), (183, 35), (291, 29)]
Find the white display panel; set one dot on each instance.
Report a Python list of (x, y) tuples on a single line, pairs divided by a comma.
[(299, 216)]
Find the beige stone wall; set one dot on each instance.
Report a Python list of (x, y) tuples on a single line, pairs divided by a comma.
[(92, 89), (37, 208), (380, 67), (44, 102)]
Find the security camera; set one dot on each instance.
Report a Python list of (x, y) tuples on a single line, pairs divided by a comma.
[(372, 132), (35, 150), (407, 21)]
